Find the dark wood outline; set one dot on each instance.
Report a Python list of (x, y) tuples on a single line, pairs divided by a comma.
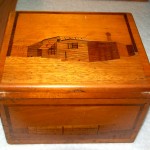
[(130, 32), (12, 35), (6, 6), (8, 118)]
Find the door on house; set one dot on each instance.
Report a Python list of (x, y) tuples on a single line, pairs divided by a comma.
[(39, 52)]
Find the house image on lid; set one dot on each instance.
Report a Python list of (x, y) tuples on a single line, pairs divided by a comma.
[(77, 49)]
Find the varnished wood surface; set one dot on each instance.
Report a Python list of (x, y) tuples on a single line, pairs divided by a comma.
[(68, 67), (5, 7), (82, 77)]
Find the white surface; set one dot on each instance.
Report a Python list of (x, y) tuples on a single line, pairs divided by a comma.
[(141, 13)]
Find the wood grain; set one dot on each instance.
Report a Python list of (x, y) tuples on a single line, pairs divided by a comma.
[(82, 77), (97, 120), (73, 65), (143, 58), (5, 7)]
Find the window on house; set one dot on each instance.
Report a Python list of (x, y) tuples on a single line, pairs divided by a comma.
[(72, 45), (52, 50)]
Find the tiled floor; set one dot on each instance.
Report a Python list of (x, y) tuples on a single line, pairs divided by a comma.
[(141, 13)]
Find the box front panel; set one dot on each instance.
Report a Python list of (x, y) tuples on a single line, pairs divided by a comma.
[(70, 123)]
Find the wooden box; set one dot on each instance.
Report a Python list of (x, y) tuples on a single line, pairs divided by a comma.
[(73, 78)]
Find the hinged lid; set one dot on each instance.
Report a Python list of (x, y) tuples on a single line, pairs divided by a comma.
[(54, 49)]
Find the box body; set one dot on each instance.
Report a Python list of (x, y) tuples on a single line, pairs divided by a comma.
[(78, 121), (73, 78)]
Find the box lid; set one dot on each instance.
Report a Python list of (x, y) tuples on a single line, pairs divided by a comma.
[(88, 50)]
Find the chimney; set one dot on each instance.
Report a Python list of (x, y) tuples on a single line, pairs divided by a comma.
[(108, 36)]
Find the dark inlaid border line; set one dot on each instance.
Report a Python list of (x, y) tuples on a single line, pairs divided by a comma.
[(130, 32), (138, 116), (12, 35), (72, 105), (69, 12), (9, 123)]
